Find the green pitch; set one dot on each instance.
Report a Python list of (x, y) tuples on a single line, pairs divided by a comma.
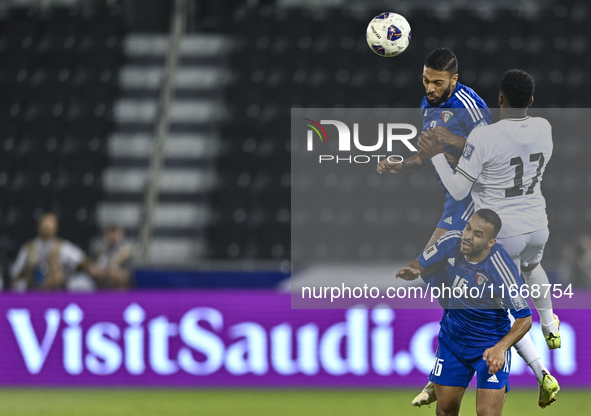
[(123, 402)]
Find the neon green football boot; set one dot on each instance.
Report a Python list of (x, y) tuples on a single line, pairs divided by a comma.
[(548, 387), (553, 340)]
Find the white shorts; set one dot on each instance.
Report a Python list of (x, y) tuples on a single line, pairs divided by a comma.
[(526, 249)]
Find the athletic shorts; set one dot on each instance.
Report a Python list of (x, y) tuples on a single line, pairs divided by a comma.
[(458, 367), (456, 214), (526, 249)]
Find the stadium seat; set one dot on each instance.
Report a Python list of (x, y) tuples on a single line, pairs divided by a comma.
[(57, 85)]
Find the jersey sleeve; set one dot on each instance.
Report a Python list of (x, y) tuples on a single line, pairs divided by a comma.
[(472, 112), (440, 251), (470, 164), (508, 283), (484, 121), (457, 184)]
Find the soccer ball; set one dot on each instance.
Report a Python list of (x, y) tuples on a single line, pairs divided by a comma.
[(388, 34)]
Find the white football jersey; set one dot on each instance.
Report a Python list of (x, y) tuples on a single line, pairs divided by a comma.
[(506, 161)]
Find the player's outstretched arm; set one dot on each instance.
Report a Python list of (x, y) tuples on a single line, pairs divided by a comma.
[(411, 271), (495, 356), (408, 273), (414, 270)]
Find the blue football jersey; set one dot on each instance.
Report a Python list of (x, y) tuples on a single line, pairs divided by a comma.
[(463, 111), (481, 318)]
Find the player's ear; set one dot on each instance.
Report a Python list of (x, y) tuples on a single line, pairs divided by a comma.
[(500, 100), (454, 79), (531, 101), (491, 243)]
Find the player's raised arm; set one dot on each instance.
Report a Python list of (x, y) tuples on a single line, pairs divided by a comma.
[(433, 257)]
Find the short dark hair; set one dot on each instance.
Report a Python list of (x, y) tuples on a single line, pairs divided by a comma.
[(442, 59), (518, 88), (491, 217)]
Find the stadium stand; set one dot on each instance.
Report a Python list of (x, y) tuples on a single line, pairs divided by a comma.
[(57, 87), (68, 82)]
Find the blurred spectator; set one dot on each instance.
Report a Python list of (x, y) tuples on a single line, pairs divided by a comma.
[(576, 262), (47, 262), (112, 266)]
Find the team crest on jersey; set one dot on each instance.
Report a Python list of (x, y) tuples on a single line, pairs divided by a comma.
[(468, 150), (446, 115), (481, 279)]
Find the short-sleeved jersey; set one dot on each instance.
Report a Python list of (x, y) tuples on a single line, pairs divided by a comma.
[(506, 162), (481, 319), (461, 113)]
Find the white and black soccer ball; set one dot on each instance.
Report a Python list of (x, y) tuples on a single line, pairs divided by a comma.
[(388, 34)]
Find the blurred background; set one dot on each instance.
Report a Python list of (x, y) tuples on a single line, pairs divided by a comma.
[(86, 87), (157, 133)]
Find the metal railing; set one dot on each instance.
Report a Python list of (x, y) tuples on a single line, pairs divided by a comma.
[(177, 30)]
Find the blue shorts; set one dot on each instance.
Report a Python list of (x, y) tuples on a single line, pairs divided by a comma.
[(458, 367), (456, 214)]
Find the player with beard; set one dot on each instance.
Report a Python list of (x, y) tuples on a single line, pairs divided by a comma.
[(502, 167), (452, 111), (476, 335)]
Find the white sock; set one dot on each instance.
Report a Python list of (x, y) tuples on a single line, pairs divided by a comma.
[(545, 316), (538, 368), (526, 349), (543, 304)]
